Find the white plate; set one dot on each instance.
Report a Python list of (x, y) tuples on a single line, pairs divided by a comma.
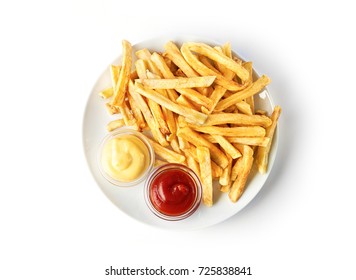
[(131, 200)]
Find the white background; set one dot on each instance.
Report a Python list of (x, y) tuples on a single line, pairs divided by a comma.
[(55, 221)]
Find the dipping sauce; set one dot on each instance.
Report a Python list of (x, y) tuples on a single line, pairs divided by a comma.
[(173, 190), (125, 158)]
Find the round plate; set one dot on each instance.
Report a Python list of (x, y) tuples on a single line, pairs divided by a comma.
[(131, 200)]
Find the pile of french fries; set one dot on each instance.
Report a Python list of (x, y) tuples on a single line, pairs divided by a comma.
[(198, 103)]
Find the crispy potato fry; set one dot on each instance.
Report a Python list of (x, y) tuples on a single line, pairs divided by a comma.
[(250, 100), (176, 83), (205, 71), (106, 93), (205, 174), (167, 154), (192, 115), (140, 121), (112, 110), (124, 77), (238, 187), (240, 119), (186, 103), (157, 134), (244, 107), (193, 164), (241, 131), (225, 144), (174, 54), (196, 139), (195, 96), (225, 178), (115, 124), (127, 115), (251, 90), (216, 170), (263, 152), (251, 141)]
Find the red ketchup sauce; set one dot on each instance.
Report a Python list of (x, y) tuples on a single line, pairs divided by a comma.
[(173, 192)]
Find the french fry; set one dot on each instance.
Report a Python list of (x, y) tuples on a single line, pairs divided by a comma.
[(225, 144), (177, 83), (244, 107), (106, 93), (251, 141), (140, 121), (174, 54), (238, 187), (192, 164), (205, 174), (141, 103), (216, 170), (124, 77), (192, 115), (250, 100), (127, 115), (225, 178), (239, 119), (263, 152), (182, 100), (251, 90), (115, 124), (167, 154), (195, 96), (156, 110), (241, 131), (196, 139), (205, 71), (169, 115)]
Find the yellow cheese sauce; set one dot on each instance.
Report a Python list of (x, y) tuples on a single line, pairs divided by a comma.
[(125, 158)]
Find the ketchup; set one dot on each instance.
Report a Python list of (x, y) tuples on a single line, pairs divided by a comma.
[(173, 192)]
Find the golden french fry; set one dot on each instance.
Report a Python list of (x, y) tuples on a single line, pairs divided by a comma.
[(141, 103), (244, 107), (251, 141), (263, 152), (193, 115), (127, 115), (140, 121), (176, 83), (124, 77), (250, 100), (182, 100), (238, 187), (112, 110), (205, 71), (225, 178), (203, 154), (169, 115), (195, 96), (106, 93), (167, 154), (241, 131), (240, 119), (193, 164), (196, 139), (115, 124), (174, 54), (225, 144), (251, 90), (216, 170)]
